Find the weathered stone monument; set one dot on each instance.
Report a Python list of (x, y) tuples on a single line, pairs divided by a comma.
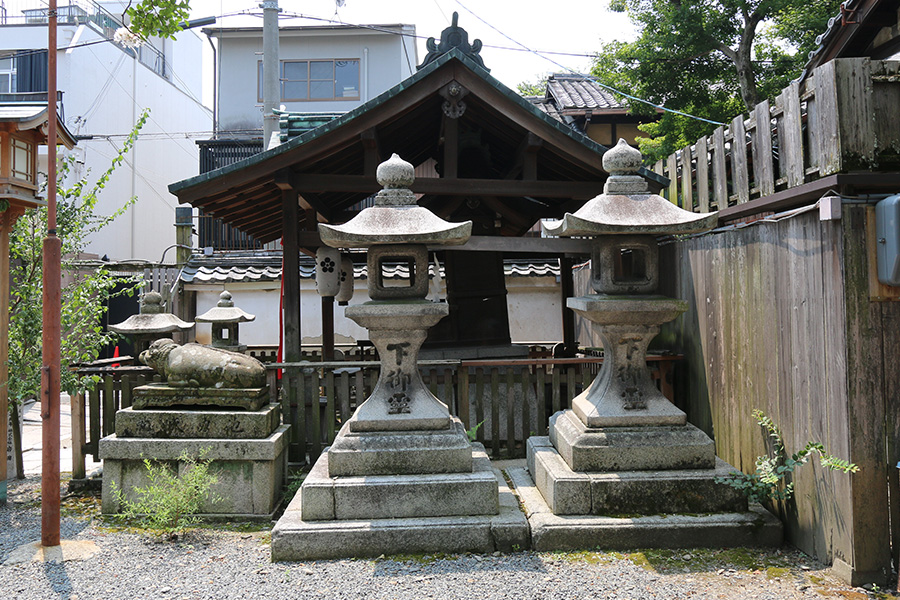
[(225, 319), (214, 404), (401, 475), (623, 448), (152, 323)]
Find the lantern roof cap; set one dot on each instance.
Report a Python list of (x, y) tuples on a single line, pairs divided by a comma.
[(225, 312), (395, 218), (627, 206), (151, 320)]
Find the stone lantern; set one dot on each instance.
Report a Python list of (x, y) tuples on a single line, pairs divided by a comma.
[(151, 324), (402, 458), (225, 318), (624, 448)]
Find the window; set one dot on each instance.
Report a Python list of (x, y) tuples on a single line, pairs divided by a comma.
[(7, 74), (303, 80), (22, 160)]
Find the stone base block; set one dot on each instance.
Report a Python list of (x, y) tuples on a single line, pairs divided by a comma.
[(755, 527), (567, 492), (400, 452), (630, 448), (296, 539), (200, 423), (399, 496), (250, 472), (155, 395)]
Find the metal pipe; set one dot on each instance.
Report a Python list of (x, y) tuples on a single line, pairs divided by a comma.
[(50, 371)]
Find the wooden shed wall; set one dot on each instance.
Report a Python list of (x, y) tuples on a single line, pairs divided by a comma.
[(780, 320)]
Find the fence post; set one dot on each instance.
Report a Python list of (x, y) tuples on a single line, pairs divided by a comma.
[(78, 470)]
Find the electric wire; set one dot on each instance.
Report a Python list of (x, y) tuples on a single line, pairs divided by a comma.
[(589, 78)]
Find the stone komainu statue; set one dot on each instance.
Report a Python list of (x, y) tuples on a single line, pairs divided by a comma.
[(193, 365)]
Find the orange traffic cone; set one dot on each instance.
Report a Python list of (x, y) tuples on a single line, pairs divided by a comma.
[(116, 355)]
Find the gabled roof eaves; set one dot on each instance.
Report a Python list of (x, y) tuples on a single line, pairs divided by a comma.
[(452, 54)]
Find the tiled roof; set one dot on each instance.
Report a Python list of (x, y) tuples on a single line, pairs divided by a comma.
[(245, 267), (572, 92)]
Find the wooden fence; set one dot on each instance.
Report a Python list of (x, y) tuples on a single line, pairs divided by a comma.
[(843, 117), (505, 402)]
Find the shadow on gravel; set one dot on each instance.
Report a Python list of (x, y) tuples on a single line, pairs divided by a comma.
[(521, 562), (58, 580)]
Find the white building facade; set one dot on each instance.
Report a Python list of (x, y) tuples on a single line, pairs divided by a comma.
[(105, 89), (330, 69)]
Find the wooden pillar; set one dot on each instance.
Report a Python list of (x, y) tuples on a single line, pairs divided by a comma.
[(327, 328), (291, 307), (6, 223), (567, 290), (451, 148), (183, 237)]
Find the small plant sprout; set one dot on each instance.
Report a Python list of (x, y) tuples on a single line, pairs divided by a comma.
[(766, 482), (170, 501)]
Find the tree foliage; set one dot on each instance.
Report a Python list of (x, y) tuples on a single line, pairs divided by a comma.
[(85, 292), (710, 58), (161, 18)]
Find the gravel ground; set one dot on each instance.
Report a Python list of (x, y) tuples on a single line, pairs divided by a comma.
[(232, 562)]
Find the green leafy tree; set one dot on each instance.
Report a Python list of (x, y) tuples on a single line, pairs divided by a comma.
[(710, 58), (84, 294), (161, 18)]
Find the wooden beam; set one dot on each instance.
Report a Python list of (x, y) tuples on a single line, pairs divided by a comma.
[(436, 186), (535, 245), (567, 290), (532, 144)]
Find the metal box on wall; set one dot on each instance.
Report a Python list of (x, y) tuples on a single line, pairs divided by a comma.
[(887, 231)]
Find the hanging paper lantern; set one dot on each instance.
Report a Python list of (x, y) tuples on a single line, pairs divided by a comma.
[(346, 291), (328, 271)]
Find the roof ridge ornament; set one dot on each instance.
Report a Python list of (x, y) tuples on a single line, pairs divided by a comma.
[(453, 37)]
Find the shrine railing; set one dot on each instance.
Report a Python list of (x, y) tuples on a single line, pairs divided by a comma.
[(502, 402)]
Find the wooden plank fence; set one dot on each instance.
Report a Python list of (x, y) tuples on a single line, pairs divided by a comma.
[(503, 402), (823, 126)]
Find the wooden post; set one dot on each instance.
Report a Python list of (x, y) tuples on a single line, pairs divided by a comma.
[(567, 290), (290, 209), (78, 468), (7, 219), (327, 328), (451, 148)]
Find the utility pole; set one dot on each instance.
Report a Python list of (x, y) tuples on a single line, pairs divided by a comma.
[(50, 369), (271, 71)]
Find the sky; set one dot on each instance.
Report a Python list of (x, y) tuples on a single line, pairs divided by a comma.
[(575, 27)]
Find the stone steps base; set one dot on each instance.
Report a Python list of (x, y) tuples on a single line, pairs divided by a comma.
[(755, 527), (296, 539)]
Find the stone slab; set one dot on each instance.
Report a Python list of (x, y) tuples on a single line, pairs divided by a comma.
[(250, 472), (753, 528), (649, 448), (629, 492), (399, 496), (295, 539), (114, 447), (198, 423), (400, 452), (156, 395)]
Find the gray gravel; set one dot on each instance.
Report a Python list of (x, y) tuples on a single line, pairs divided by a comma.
[(224, 563)]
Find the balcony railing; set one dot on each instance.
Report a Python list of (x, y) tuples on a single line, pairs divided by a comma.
[(79, 12)]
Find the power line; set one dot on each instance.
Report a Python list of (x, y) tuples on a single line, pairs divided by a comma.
[(588, 77)]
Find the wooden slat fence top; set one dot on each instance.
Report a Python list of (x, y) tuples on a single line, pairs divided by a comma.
[(512, 362)]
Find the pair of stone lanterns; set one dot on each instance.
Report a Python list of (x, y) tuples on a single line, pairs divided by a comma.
[(402, 476), (153, 323)]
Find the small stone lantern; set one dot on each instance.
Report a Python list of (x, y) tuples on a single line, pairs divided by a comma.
[(151, 324), (225, 318)]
